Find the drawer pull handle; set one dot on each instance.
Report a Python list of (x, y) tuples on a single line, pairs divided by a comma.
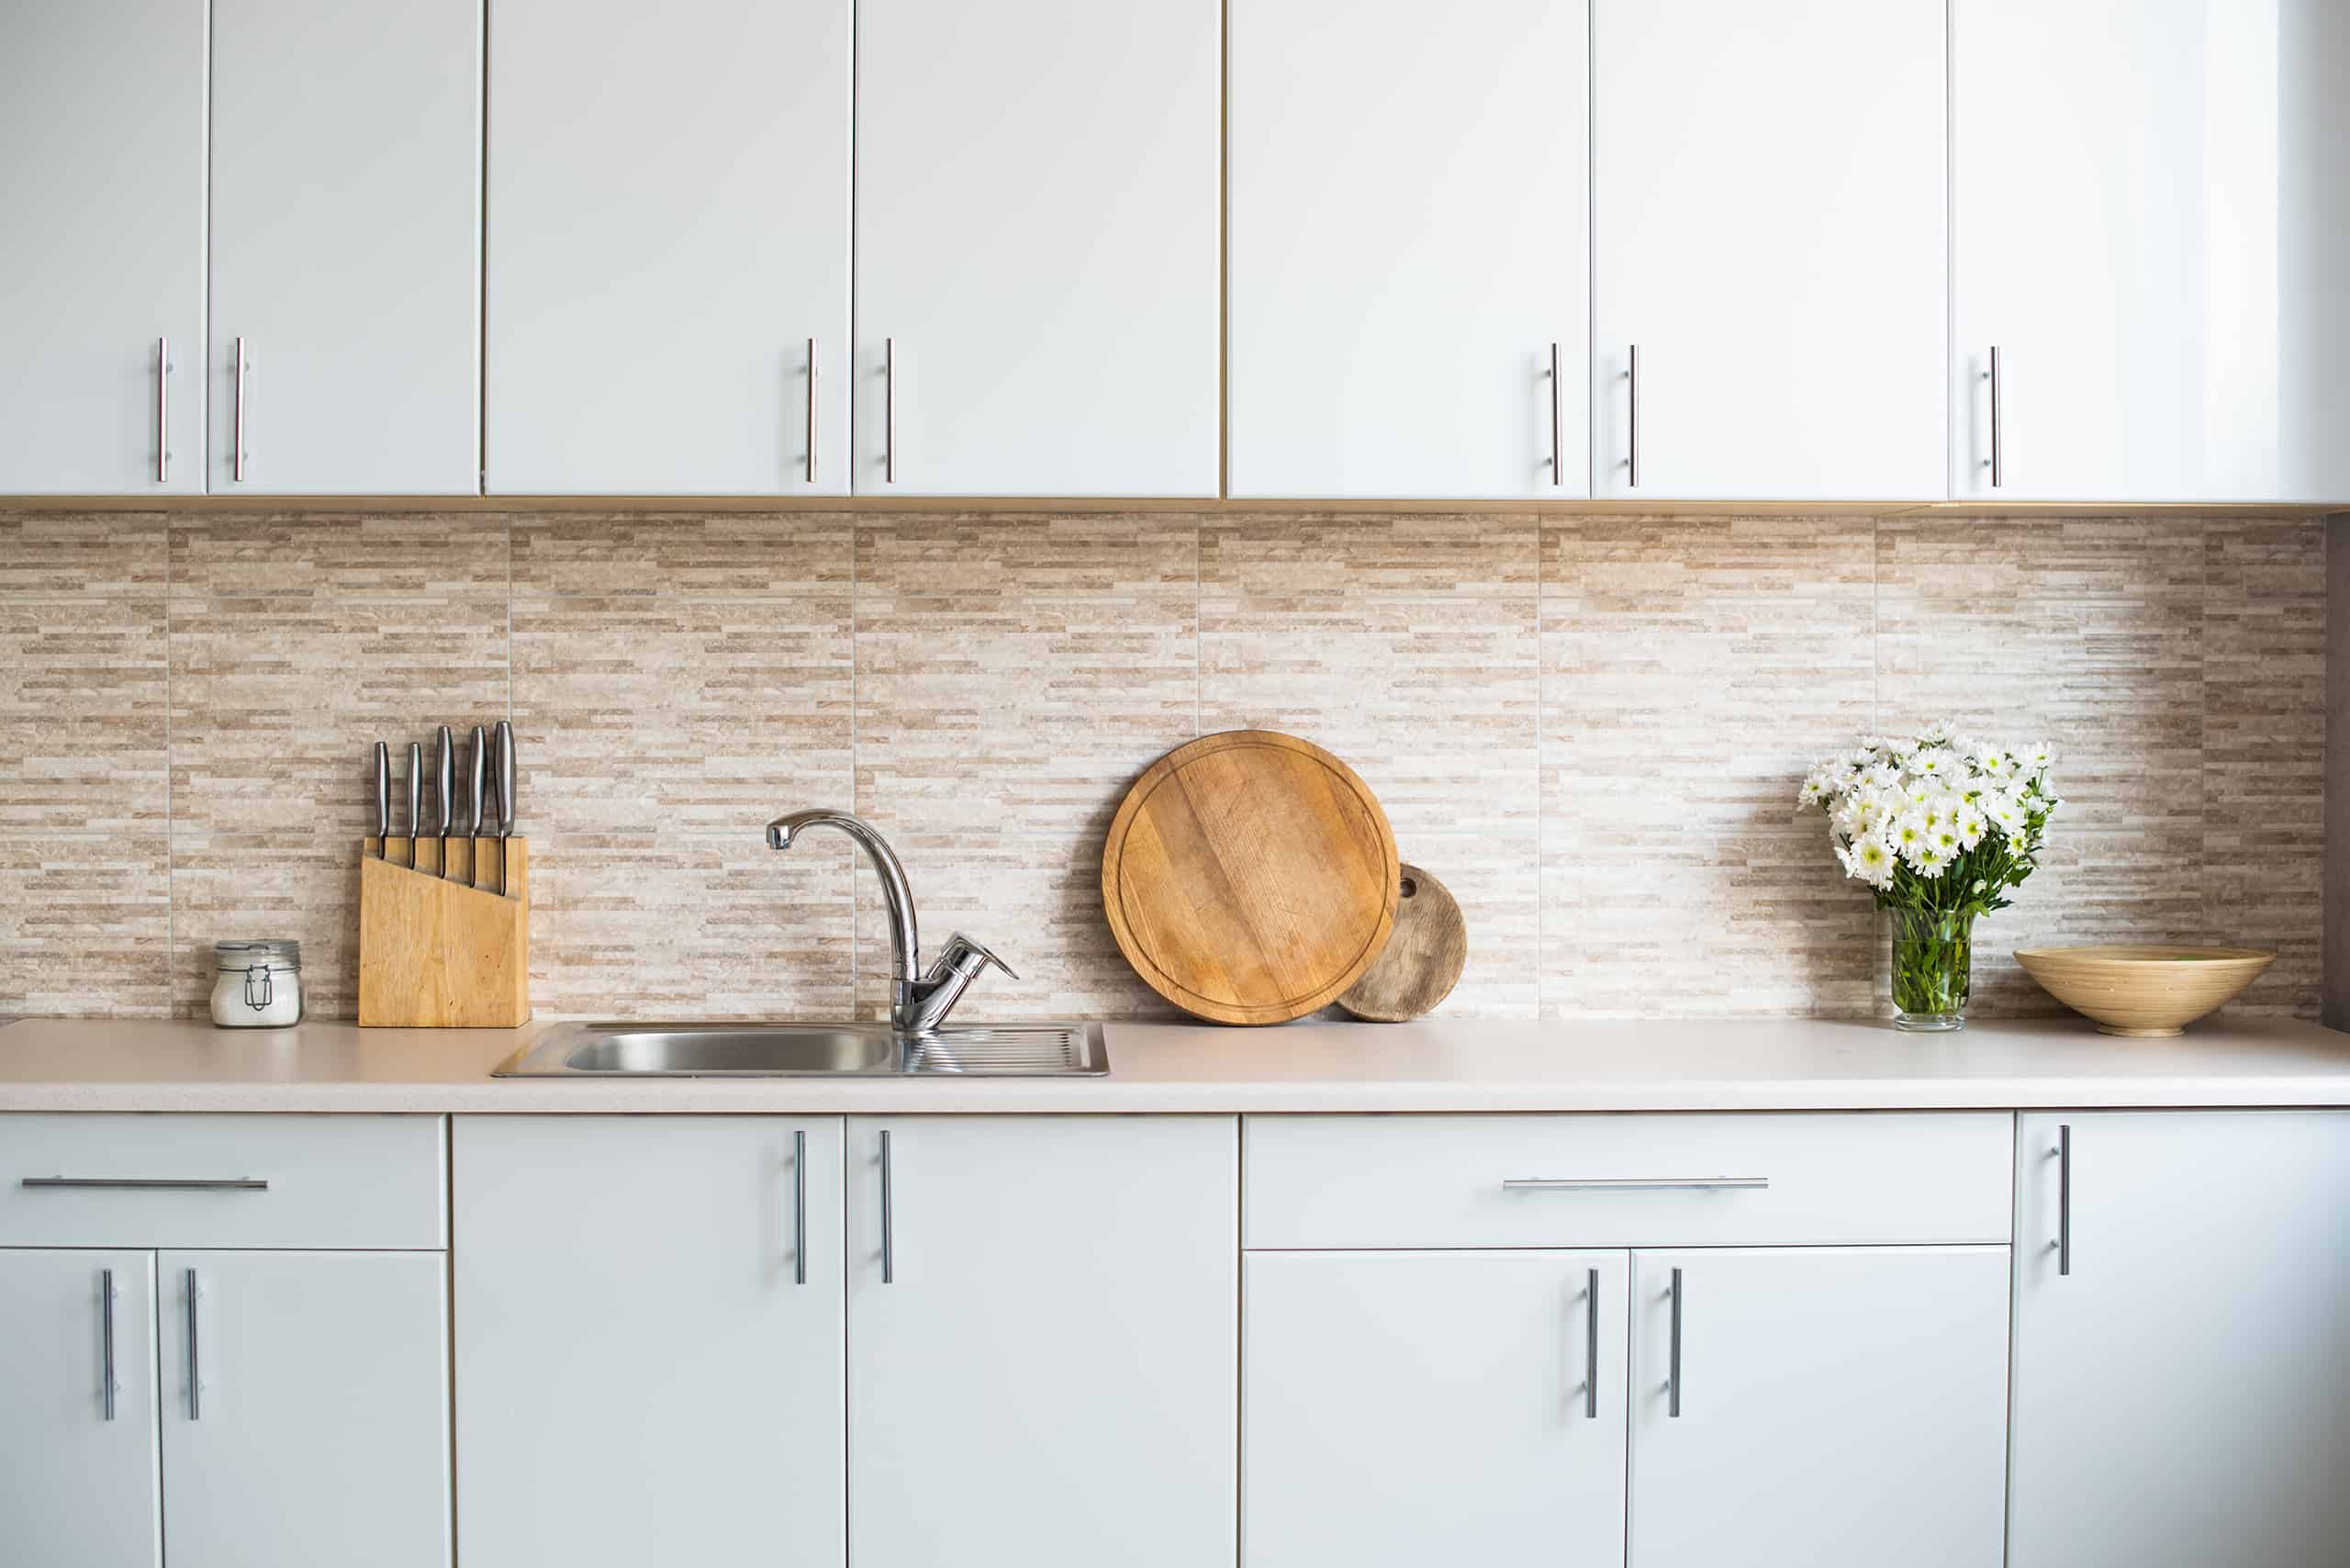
[(1630, 1184), (157, 1184), (194, 1355), (799, 1199)]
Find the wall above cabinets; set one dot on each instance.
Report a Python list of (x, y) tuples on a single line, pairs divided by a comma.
[(1647, 252)]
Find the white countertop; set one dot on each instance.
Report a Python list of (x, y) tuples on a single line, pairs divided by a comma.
[(1436, 1064)]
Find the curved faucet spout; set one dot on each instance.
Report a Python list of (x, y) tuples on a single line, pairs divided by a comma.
[(905, 943)]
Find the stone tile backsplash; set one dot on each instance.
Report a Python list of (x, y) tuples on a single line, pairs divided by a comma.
[(1590, 726)]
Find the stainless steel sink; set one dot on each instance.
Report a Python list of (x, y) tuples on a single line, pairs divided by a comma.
[(810, 1050)]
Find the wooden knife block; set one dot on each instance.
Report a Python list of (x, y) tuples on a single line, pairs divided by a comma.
[(434, 953)]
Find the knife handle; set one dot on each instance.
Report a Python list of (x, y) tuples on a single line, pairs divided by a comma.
[(383, 792), (505, 780), (415, 796), (444, 778), (476, 770)]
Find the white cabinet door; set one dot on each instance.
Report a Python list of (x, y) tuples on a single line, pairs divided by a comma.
[(1407, 1408), (649, 1341), (78, 1478), (1037, 247), (346, 246), (1043, 1316), (2151, 224), (1827, 1408), (1768, 234), (102, 114), (1409, 246), (2179, 1393), (306, 1409), (668, 245)]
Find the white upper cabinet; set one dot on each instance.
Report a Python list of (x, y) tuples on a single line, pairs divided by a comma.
[(102, 171), (1768, 238), (1409, 249), (1036, 246), (1043, 1337), (2182, 1339), (1821, 1407), (346, 247), (2151, 211), (668, 247)]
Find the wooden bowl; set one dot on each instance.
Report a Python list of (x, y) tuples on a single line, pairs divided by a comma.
[(2149, 991)]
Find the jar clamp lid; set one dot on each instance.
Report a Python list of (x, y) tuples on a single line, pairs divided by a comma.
[(284, 956)]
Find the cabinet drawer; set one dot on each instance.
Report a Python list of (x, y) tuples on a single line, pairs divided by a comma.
[(1627, 1180), (198, 1181)]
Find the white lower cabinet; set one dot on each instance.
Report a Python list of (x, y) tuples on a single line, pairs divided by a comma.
[(649, 1340), (1408, 1408), (79, 1486), (2182, 1339), (305, 1410), (1043, 1332), (1819, 1407)]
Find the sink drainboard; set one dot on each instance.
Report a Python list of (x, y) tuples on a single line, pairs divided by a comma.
[(1009, 1048)]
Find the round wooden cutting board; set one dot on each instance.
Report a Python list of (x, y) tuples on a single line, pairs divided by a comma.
[(1250, 876), (1423, 959)]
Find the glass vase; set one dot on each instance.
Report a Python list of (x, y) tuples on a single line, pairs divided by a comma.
[(1933, 966)]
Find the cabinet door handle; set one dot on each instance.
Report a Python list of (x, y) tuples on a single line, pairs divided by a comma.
[(1673, 1383), (1996, 463), (194, 1360), (888, 420), (1630, 1184), (811, 410), (156, 1183), (799, 1199), (106, 1320), (889, 1241), (2064, 1152), (1632, 391), (1557, 452), (237, 457), (163, 411), (1591, 1345)]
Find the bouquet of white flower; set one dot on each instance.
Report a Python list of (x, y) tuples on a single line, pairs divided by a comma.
[(1942, 828)]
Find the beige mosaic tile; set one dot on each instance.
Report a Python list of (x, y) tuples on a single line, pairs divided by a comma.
[(2083, 632), (234, 886), (337, 554), (1015, 673), (2263, 750), (1692, 669), (276, 703), (712, 554), (676, 714), (84, 926), (83, 714), (642, 926), (98, 555)]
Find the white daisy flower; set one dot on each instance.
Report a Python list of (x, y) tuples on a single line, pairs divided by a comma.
[(1907, 832), (1927, 860), (2039, 757), (1870, 861), (1934, 762), (1972, 825), (1938, 732)]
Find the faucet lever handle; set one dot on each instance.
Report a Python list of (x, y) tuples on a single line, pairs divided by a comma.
[(956, 953)]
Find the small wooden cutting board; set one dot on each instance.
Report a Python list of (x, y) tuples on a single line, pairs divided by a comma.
[(1423, 958), (1250, 876)]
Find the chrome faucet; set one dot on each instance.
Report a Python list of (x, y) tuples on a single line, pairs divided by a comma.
[(919, 999)]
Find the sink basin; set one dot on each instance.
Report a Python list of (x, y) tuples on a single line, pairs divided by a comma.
[(809, 1050)]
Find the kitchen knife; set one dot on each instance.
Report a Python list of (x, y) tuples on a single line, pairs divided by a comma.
[(415, 797), (505, 797), (444, 786), (383, 800), (477, 772)]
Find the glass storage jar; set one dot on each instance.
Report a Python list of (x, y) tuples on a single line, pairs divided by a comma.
[(257, 985)]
